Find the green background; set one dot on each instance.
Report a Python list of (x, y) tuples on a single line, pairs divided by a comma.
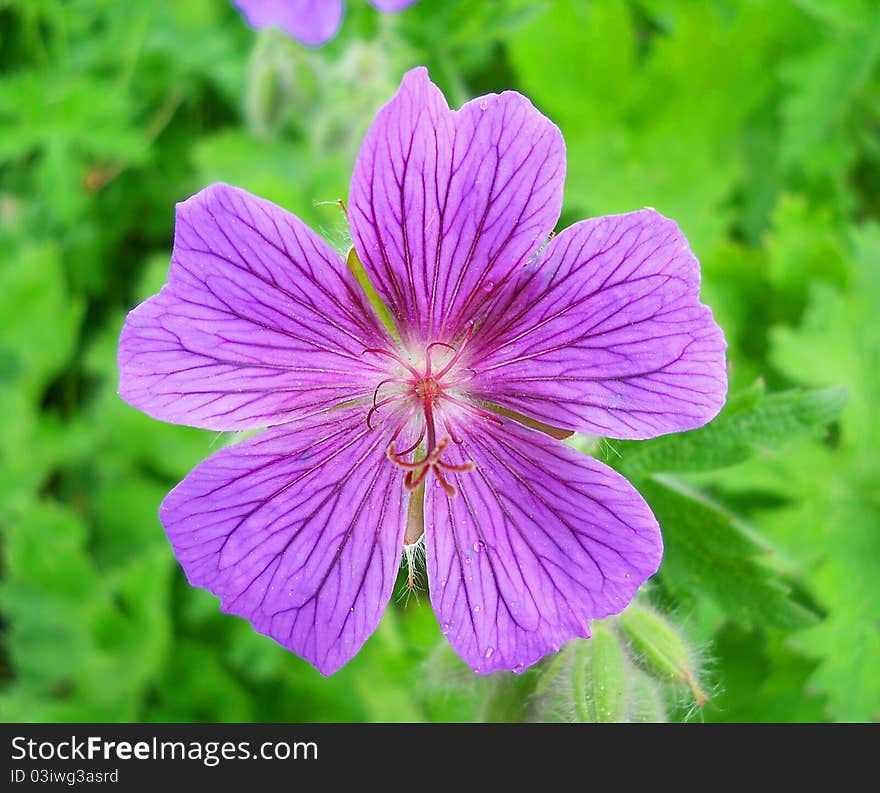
[(753, 123)]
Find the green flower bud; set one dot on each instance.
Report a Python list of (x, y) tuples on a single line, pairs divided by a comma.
[(646, 701), (602, 679), (450, 691), (660, 648), (279, 80), (585, 682), (352, 89)]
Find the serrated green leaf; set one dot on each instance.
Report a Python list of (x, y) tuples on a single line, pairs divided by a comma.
[(804, 246), (753, 422), (832, 495), (846, 14), (652, 113), (839, 340), (764, 680), (709, 553)]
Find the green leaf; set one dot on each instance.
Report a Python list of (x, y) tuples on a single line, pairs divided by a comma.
[(41, 319), (752, 422), (824, 84), (39, 333), (197, 686), (840, 13), (709, 553), (764, 680), (653, 110), (839, 341), (832, 495), (264, 169), (79, 634), (804, 246)]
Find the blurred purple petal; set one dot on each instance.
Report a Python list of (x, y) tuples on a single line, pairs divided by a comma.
[(312, 22), (606, 334), (259, 323), (445, 205), (390, 6), (298, 530), (539, 541)]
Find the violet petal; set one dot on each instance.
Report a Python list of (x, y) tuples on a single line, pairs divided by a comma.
[(606, 334), (445, 205), (539, 541), (259, 323), (311, 22), (298, 530)]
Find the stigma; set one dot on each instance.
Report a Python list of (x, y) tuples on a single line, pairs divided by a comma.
[(417, 470)]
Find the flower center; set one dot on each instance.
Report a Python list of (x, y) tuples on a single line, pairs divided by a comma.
[(424, 400), (427, 389)]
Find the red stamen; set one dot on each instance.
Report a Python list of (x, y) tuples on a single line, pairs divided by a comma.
[(448, 427), (412, 479), (451, 363), (426, 391), (428, 356), (449, 489), (376, 406), (393, 357), (415, 445), (417, 470), (428, 460), (467, 465), (388, 380)]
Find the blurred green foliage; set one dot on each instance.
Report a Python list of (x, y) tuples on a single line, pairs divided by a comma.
[(754, 123)]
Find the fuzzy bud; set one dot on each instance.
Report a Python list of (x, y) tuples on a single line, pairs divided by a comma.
[(646, 703), (279, 80), (585, 682), (660, 648)]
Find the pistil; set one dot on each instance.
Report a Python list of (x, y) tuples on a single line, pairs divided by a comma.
[(426, 391)]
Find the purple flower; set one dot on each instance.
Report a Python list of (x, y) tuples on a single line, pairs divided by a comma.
[(312, 22), (432, 433)]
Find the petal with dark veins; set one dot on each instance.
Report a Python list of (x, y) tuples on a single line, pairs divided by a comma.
[(297, 530), (260, 321), (539, 541), (605, 333), (445, 205)]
